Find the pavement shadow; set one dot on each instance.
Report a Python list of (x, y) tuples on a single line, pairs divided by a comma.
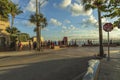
[(61, 69)]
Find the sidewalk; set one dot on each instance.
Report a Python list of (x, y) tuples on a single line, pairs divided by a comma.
[(110, 70), (22, 53)]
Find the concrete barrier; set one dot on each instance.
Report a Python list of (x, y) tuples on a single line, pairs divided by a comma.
[(93, 69)]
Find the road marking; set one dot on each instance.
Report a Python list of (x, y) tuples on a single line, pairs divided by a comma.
[(77, 77)]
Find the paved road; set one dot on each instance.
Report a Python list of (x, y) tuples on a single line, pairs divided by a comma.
[(66, 64)]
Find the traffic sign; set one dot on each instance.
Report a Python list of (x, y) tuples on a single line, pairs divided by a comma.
[(108, 27)]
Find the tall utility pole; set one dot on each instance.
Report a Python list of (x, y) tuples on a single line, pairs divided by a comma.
[(38, 27), (39, 32)]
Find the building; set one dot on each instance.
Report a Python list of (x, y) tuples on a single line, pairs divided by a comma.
[(35, 39), (4, 36), (65, 41)]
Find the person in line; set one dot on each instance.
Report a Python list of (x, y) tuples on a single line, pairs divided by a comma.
[(30, 45), (19, 46)]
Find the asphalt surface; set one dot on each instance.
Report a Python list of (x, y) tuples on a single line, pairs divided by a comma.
[(66, 64)]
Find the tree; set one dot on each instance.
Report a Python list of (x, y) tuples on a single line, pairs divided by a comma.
[(14, 10), (41, 22), (12, 30), (23, 37), (113, 10), (4, 9), (100, 6), (13, 33)]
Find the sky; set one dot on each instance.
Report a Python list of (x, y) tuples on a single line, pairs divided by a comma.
[(65, 18)]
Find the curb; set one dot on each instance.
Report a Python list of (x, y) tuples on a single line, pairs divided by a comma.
[(93, 70)]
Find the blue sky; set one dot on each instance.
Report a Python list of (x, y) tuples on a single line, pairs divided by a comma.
[(65, 18)]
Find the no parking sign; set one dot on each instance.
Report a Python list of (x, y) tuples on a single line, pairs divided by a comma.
[(108, 27)]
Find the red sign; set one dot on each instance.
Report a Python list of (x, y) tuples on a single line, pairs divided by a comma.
[(108, 27)]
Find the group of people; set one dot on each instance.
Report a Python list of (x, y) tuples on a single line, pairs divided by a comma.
[(29, 46), (32, 45)]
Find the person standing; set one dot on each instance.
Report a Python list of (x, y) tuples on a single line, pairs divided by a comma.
[(19, 46), (30, 45), (34, 45)]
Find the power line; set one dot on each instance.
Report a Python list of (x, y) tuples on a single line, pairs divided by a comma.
[(21, 18), (23, 4)]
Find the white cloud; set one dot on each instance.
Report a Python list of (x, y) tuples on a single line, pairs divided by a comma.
[(72, 27), (64, 27), (91, 34), (65, 3), (65, 31), (78, 9), (55, 22), (91, 20), (104, 20), (75, 8), (45, 29), (32, 5), (25, 23), (28, 24), (67, 21)]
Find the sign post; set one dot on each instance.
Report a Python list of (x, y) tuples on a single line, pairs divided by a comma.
[(119, 24), (108, 46), (108, 27)]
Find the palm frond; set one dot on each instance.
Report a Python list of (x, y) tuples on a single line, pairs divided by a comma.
[(40, 18)]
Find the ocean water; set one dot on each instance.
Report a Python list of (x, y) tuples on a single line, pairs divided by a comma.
[(81, 42)]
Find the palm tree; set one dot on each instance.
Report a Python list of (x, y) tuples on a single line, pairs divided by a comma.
[(12, 31), (4, 9), (13, 34), (41, 22), (112, 11), (15, 10), (100, 6)]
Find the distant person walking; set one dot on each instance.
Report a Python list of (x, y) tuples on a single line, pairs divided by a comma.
[(19, 46), (34, 45), (30, 45)]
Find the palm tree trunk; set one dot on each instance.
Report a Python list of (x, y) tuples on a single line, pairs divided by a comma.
[(12, 22), (101, 52)]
